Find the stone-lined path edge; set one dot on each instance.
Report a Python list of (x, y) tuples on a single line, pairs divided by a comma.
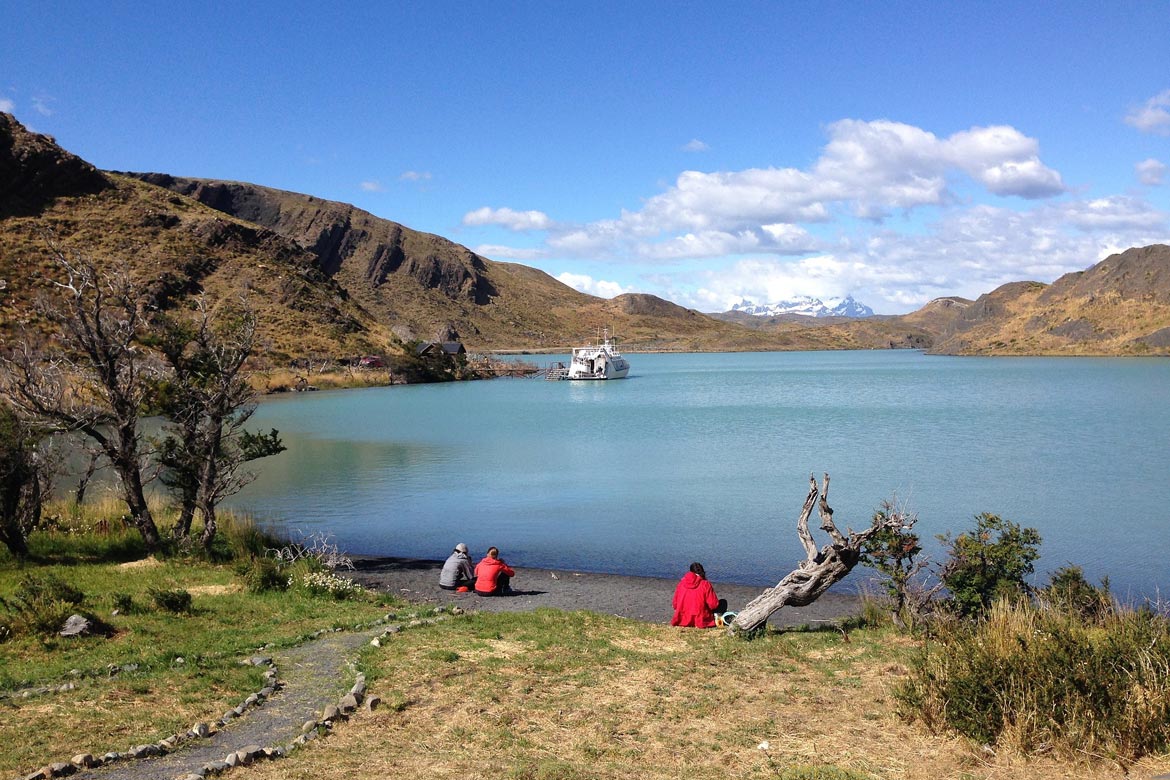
[(270, 723)]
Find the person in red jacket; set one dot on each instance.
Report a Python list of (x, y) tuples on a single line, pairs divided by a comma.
[(492, 576), (694, 600)]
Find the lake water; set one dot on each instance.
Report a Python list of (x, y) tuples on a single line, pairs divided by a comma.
[(707, 457)]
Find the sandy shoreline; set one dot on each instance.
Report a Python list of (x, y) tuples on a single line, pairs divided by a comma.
[(639, 598)]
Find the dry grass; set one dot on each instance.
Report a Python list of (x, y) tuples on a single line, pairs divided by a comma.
[(555, 695)]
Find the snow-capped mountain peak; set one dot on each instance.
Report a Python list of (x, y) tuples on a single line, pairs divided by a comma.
[(807, 306)]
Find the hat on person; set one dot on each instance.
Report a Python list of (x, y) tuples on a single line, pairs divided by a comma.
[(461, 547)]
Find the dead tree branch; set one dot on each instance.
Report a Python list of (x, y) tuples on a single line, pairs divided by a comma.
[(818, 571)]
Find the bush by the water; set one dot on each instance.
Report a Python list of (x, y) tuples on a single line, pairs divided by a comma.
[(266, 574), (990, 562), (1039, 678)]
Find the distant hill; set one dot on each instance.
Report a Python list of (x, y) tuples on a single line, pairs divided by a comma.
[(1120, 306), (173, 246)]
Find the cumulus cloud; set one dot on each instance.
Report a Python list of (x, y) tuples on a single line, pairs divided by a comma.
[(587, 284), (1118, 212), (508, 218), (870, 167), (41, 105), (1153, 116), (772, 239), (415, 176), (7, 106), (372, 186), (968, 252), (695, 145), (1151, 172)]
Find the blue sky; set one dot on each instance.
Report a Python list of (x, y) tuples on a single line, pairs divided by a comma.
[(702, 152)]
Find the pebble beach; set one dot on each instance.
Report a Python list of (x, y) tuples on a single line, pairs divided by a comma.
[(638, 598)]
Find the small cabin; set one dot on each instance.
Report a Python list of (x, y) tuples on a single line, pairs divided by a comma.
[(437, 348)]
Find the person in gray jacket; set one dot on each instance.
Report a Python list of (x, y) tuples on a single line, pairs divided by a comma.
[(457, 572)]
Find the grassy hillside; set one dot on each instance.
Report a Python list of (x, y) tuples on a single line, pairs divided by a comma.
[(173, 246), (1120, 306)]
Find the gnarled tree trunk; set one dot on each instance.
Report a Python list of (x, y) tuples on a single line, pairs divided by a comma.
[(817, 572)]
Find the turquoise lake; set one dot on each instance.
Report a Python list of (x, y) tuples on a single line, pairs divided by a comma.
[(707, 457)]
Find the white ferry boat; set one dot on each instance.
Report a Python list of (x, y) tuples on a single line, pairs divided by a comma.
[(598, 361)]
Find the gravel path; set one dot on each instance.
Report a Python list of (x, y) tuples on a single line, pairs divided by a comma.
[(313, 675), (640, 598)]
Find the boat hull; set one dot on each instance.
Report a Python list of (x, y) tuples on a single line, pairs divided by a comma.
[(611, 371)]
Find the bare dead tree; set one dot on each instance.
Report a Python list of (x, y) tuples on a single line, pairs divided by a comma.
[(819, 570), (93, 461), (96, 380)]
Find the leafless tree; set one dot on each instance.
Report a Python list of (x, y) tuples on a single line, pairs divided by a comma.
[(208, 399), (92, 464), (819, 570), (95, 379)]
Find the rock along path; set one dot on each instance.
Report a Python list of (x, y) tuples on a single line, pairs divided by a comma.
[(312, 676)]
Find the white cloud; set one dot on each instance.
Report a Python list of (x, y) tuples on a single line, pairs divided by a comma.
[(508, 218), (372, 186), (1153, 116), (1118, 212), (415, 176), (1151, 172), (41, 105), (500, 252), (772, 239), (968, 253), (7, 106), (871, 167), (866, 169), (587, 284), (695, 145)]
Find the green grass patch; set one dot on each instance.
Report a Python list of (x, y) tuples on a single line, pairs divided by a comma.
[(177, 629)]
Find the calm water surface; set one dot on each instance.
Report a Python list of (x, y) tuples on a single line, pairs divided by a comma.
[(707, 457)]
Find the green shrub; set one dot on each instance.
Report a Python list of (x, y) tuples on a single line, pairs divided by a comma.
[(37, 588), (893, 552), (1068, 590), (40, 605), (1039, 678), (123, 602), (989, 563), (266, 574), (176, 600)]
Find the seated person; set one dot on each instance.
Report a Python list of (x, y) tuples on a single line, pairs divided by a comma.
[(492, 576), (456, 571), (695, 601)]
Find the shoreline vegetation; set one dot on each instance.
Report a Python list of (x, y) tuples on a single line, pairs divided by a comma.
[(576, 676)]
